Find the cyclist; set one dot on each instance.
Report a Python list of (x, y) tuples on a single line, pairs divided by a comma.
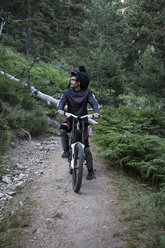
[(77, 97)]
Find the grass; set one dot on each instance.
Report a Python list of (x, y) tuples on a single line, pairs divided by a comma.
[(14, 222), (19, 188), (6, 166), (145, 222)]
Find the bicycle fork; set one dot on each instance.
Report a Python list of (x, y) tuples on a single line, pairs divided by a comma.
[(73, 153)]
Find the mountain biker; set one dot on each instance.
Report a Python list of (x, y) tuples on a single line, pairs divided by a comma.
[(77, 97)]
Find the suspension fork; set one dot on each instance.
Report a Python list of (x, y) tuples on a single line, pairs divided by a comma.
[(73, 132), (83, 132), (73, 155), (74, 141)]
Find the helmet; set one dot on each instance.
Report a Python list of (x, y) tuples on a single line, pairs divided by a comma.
[(82, 76)]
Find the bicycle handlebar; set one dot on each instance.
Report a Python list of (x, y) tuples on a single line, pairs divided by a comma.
[(78, 117)]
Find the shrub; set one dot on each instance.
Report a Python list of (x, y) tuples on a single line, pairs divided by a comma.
[(5, 139), (17, 108), (133, 138), (36, 122)]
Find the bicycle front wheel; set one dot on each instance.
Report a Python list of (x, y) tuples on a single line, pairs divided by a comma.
[(78, 167)]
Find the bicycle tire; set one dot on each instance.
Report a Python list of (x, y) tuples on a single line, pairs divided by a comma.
[(77, 173)]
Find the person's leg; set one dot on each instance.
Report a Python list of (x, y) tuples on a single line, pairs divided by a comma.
[(88, 156), (89, 160), (64, 139)]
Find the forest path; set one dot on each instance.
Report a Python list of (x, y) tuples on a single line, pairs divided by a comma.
[(62, 218)]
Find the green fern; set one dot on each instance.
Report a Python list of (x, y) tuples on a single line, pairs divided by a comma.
[(127, 136)]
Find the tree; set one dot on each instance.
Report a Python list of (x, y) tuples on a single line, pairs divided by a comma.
[(146, 27), (75, 17), (150, 71), (100, 46), (151, 74), (3, 22), (36, 29), (5, 16)]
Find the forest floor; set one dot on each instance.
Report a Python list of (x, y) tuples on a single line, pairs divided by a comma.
[(53, 215)]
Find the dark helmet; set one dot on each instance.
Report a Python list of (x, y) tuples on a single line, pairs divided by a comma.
[(82, 76)]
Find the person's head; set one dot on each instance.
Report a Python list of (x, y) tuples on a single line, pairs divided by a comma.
[(75, 83), (81, 77)]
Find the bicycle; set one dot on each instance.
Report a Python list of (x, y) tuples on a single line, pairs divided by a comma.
[(76, 151)]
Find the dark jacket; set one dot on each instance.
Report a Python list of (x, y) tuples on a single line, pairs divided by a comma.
[(77, 101)]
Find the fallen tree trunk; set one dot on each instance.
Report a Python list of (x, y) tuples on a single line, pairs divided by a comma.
[(38, 94)]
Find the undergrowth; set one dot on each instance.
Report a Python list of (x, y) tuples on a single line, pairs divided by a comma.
[(6, 166), (18, 109), (142, 210), (14, 221), (131, 139)]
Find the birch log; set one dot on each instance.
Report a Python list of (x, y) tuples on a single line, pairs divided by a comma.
[(38, 94)]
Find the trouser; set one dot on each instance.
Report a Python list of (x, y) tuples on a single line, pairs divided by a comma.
[(65, 143)]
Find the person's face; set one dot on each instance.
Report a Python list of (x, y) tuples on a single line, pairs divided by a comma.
[(74, 83)]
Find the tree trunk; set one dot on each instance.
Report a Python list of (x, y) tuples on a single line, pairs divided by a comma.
[(3, 22), (29, 31), (70, 16)]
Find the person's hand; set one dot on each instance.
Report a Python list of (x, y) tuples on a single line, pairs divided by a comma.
[(60, 112), (96, 115)]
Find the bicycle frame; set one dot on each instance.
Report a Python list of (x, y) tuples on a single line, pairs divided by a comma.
[(77, 154), (74, 140)]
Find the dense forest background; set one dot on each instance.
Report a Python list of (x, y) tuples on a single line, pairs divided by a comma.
[(122, 46)]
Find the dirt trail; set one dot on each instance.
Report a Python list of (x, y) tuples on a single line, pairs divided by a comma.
[(64, 219)]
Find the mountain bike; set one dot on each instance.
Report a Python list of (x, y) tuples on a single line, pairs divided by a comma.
[(76, 151)]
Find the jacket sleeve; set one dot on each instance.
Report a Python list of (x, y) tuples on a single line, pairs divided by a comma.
[(93, 102), (62, 101)]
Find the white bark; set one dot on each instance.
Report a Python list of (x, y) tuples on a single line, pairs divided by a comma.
[(38, 94), (10, 76), (28, 136), (92, 122), (5, 17), (3, 22)]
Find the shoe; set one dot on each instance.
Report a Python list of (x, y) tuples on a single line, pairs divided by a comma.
[(90, 175), (65, 154)]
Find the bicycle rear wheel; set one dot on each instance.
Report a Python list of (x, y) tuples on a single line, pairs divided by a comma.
[(78, 167)]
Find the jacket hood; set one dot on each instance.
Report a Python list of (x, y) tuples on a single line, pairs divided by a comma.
[(82, 76)]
